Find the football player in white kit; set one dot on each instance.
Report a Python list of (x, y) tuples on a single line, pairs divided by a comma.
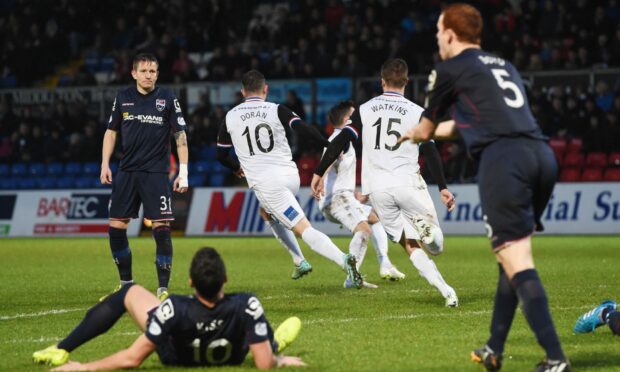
[(391, 174), (339, 204), (255, 128)]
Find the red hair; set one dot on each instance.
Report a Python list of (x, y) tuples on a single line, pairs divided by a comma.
[(465, 21)]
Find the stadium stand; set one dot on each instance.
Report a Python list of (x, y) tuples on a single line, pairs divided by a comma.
[(56, 145)]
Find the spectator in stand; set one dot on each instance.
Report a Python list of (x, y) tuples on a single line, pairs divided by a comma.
[(294, 103)]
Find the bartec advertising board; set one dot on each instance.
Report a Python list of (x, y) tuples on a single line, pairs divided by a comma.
[(574, 208), (57, 213)]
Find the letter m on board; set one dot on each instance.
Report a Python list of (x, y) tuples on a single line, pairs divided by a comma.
[(223, 217)]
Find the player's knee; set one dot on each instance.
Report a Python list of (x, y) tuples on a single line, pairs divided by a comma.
[(301, 226), (157, 224), (119, 224), (363, 227), (264, 215)]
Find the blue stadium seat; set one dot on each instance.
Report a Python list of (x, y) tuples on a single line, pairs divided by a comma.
[(107, 64), (85, 182), (196, 180), (19, 169), (65, 183), (37, 169), (113, 168), (27, 183), (201, 166), (91, 168), (91, 64), (73, 168), (54, 169), (46, 182), (217, 179), (208, 153), (8, 183), (4, 170)]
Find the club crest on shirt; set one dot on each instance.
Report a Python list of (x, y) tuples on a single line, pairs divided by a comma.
[(160, 104)]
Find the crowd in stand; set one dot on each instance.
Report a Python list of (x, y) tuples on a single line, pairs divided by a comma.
[(218, 40), (290, 39)]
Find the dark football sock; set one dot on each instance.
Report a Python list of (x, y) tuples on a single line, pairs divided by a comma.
[(612, 318), (98, 320), (163, 260), (121, 252), (506, 302), (535, 307)]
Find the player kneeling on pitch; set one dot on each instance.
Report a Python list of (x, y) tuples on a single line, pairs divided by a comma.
[(206, 329)]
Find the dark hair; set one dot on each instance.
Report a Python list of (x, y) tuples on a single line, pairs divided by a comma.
[(207, 272), (395, 72), (464, 20), (253, 81), (337, 112), (144, 57)]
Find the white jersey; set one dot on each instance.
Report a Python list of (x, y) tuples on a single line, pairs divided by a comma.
[(341, 175), (385, 164), (256, 130)]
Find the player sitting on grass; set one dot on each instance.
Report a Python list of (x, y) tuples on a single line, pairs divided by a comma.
[(339, 204), (206, 329), (605, 313)]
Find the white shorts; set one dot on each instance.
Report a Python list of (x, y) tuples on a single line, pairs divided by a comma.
[(398, 207), (277, 197), (345, 210)]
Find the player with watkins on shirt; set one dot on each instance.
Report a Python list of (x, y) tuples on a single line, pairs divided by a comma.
[(391, 174)]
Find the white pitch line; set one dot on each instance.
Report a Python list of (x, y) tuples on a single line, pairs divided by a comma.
[(455, 312), (55, 339), (424, 315), (40, 313)]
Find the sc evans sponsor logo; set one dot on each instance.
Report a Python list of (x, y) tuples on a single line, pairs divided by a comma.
[(146, 119)]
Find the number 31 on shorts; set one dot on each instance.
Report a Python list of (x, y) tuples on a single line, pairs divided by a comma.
[(166, 204)]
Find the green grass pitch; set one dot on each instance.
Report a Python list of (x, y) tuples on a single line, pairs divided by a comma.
[(47, 285)]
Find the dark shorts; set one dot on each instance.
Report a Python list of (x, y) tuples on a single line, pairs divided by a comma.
[(515, 178), (130, 189)]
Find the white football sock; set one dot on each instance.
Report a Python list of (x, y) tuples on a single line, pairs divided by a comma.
[(358, 246), (380, 244), (287, 238), (437, 244), (322, 245), (428, 270)]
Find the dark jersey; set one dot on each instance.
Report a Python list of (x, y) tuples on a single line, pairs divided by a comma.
[(189, 333), (485, 97), (145, 123)]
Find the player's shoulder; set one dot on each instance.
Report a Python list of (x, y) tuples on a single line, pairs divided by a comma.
[(172, 307), (126, 93), (246, 302), (166, 93), (367, 104)]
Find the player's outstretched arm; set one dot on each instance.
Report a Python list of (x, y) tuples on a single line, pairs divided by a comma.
[(226, 159), (109, 140), (264, 357), (132, 357), (181, 183), (435, 166), (303, 129), (333, 151)]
